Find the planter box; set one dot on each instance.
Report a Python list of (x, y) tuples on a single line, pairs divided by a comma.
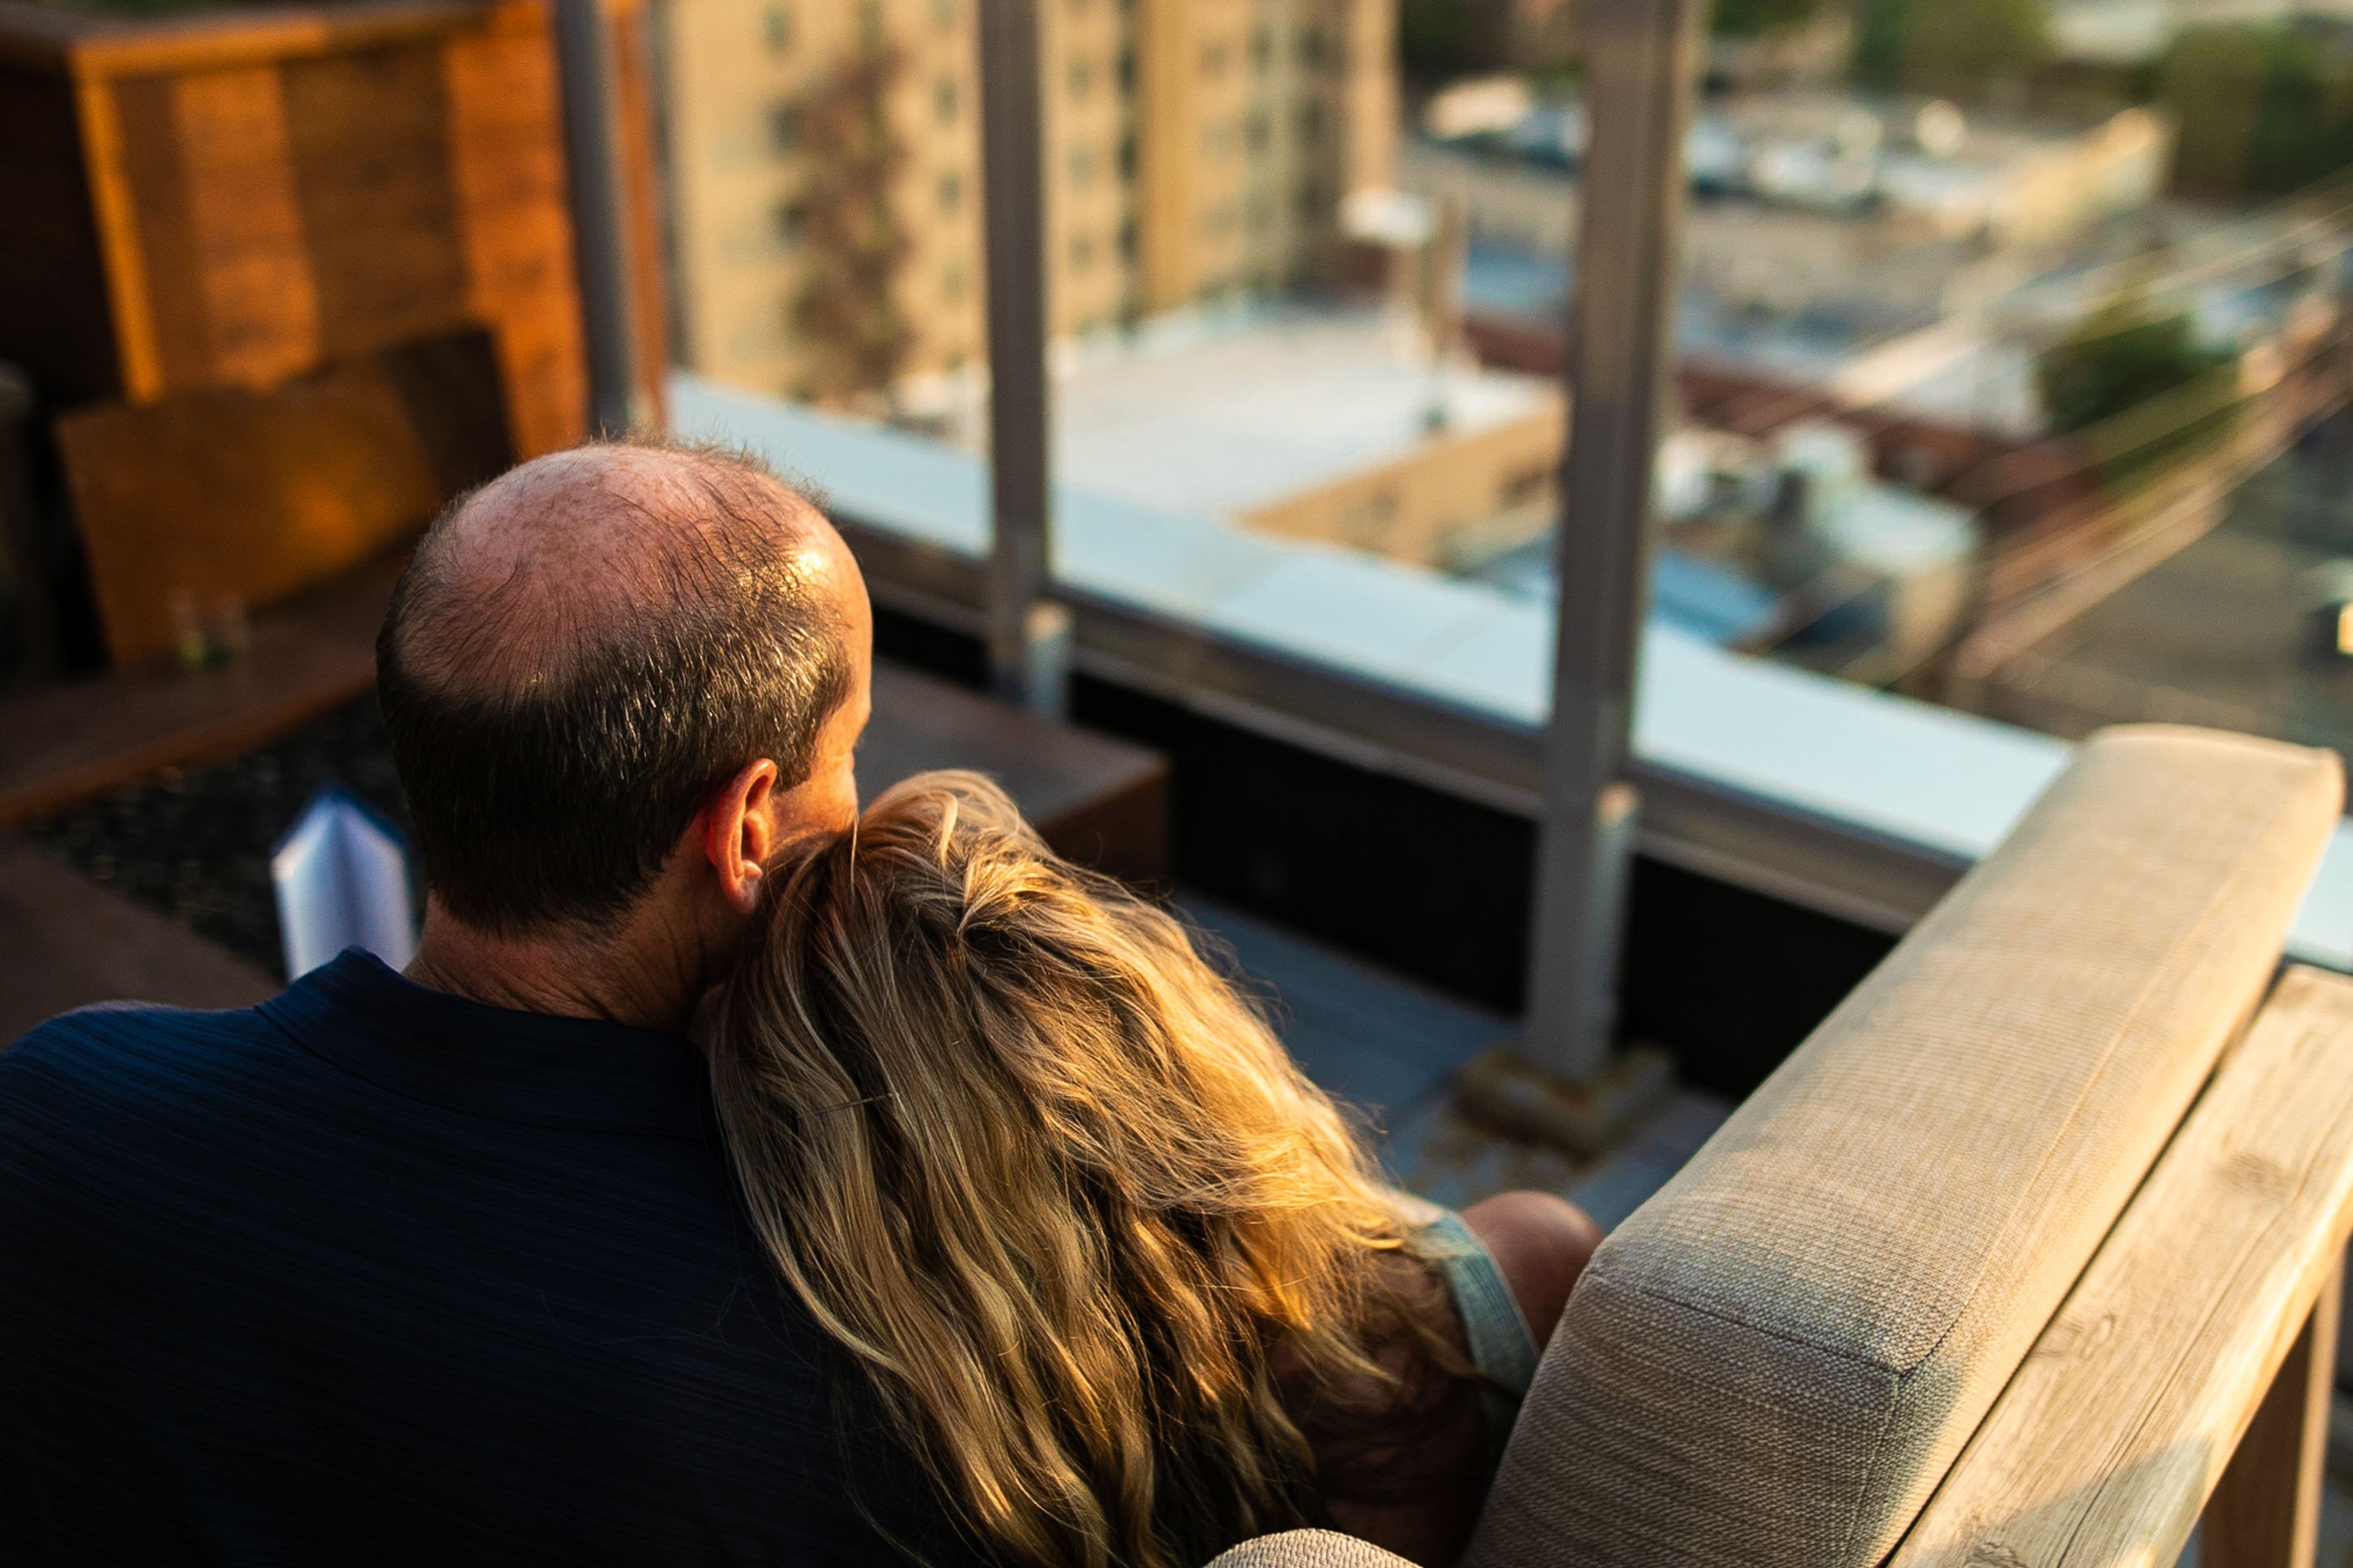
[(234, 198)]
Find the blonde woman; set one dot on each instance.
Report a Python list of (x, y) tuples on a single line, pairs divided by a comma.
[(1122, 1280)]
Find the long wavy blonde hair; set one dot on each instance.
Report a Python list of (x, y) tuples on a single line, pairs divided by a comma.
[(1056, 1187)]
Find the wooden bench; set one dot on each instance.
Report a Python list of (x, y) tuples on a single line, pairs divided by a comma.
[(2190, 1369)]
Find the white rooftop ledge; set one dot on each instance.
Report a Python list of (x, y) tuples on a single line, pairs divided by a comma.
[(1947, 782)]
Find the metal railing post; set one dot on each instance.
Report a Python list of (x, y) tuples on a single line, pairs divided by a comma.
[(584, 49), (1029, 635), (1642, 58)]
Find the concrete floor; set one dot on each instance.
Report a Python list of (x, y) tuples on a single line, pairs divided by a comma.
[(1390, 1047)]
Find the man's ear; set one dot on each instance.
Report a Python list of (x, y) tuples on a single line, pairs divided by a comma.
[(741, 832)]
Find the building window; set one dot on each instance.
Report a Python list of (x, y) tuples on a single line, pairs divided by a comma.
[(1082, 167), (776, 26), (1312, 203), (1311, 46), (1260, 131), (792, 223), (1262, 47), (1310, 124), (1127, 70), (1127, 241), (1261, 212), (951, 191), (784, 126), (1083, 253), (1083, 76), (1127, 156), (943, 100)]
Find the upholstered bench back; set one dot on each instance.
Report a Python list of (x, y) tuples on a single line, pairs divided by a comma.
[(1775, 1360)]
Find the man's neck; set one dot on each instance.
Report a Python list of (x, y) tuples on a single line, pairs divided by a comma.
[(652, 984)]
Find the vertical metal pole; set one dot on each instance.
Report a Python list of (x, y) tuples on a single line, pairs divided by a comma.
[(1642, 58), (1028, 636), (600, 244)]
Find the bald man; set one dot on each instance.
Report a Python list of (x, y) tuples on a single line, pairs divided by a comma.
[(445, 1267)]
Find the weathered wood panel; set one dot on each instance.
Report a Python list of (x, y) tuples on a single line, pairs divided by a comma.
[(255, 195), (2116, 1429), (267, 492)]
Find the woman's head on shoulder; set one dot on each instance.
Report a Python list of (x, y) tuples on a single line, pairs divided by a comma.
[(1046, 1172)]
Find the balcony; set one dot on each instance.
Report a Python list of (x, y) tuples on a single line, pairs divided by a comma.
[(1299, 556)]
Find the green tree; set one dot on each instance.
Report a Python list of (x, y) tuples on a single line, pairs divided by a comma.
[(1953, 48), (1439, 40), (856, 246), (1754, 19), (2260, 109), (2137, 385)]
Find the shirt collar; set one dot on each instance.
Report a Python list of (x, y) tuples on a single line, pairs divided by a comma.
[(493, 1061)]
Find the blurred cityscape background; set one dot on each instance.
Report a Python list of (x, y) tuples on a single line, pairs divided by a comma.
[(2011, 334)]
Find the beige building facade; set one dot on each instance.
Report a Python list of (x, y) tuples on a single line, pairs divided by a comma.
[(823, 161)]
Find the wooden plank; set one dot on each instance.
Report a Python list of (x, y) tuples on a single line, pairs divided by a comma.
[(77, 738), (114, 203), (260, 307), (257, 495), (368, 136), (507, 171), (97, 46), (67, 941), (2266, 1513), (268, 191), (2115, 1432)]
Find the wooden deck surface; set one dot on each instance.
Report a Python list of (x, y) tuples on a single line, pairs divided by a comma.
[(82, 736), (66, 942)]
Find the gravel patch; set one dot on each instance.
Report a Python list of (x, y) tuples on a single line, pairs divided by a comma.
[(194, 842)]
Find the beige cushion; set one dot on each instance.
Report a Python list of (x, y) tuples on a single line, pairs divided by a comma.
[(1307, 1549), (1775, 1359)]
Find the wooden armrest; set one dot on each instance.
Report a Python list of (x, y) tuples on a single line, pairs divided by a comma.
[(2118, 1428)]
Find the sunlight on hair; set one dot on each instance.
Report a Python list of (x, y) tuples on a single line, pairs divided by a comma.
[(1056, 1185)]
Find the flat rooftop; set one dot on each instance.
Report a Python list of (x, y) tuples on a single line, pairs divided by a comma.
[(1214, 414)]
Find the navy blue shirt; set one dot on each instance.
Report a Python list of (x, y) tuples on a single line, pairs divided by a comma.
[(370, 1273)]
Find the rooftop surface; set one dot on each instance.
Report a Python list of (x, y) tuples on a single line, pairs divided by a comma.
[(1210, 415)]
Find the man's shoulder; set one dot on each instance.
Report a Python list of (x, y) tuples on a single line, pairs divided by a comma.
[(97, 1053), (104, 1026)]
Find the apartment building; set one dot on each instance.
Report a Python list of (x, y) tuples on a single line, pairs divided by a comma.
[(825, 181)]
